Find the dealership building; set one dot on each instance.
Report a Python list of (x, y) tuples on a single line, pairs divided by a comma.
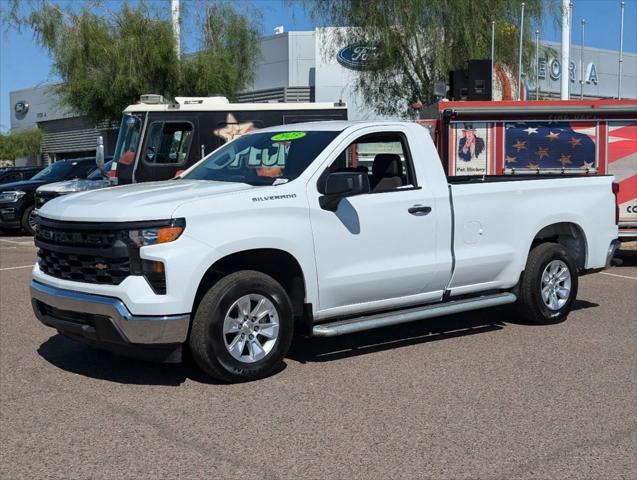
[(297, 67)]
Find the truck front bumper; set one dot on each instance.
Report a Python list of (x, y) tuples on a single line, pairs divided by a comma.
[(105, 322)]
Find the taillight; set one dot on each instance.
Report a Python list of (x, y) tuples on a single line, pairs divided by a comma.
[(615, 187), (112, 175)]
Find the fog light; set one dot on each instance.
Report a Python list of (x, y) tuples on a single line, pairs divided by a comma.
[(155, 275)]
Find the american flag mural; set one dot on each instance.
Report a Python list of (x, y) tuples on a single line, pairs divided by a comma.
[(550, 145), (622, 163)]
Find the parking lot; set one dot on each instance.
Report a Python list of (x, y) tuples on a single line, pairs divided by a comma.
[(478, 395)]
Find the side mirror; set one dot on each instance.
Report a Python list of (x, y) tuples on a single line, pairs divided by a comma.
[(99, 156), (339, 185)]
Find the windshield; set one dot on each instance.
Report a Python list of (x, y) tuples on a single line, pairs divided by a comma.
[(263, 158), (127, 140), (55, 172), (96, 175)]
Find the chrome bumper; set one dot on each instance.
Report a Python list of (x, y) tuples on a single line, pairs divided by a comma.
[(81, 314)]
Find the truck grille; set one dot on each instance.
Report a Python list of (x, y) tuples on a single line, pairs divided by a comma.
[(84, 268), (83, 252)]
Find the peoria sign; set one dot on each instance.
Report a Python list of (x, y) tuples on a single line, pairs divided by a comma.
[(357, 56), (553, 68)]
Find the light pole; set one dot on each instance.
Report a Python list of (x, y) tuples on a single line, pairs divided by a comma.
[(520, 56), (566, 49), (581, 64), (621, 53), (174, 14), (537, 63)]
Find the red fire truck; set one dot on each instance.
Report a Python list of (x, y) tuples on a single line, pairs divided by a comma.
[(591, 137)]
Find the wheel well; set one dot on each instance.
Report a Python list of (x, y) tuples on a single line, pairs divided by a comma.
[(569, 235), (278, 264)]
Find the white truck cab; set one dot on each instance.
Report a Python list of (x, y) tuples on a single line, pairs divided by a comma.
[(291, 228)]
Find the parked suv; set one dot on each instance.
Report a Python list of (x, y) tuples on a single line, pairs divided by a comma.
[(17, 174), (52, 190), (17, 199)]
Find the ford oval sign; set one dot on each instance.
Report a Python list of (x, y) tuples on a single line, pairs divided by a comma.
[(21, 108), (357, 56)]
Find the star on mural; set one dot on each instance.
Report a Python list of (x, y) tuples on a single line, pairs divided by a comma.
[(575, 142), (530, 130), (565, 159), (588, 165), (519, 145), (533, 166), (233, 129), (552, 136), (542, 152), (509, 159)]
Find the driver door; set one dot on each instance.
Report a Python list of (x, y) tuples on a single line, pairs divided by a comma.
[(377, 250)]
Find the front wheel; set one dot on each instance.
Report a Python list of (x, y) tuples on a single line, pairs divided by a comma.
[(28, 220), (549, 285), (242, 328)]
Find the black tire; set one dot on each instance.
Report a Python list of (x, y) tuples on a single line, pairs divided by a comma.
[(26, 226), (207, 340), (531, 304)]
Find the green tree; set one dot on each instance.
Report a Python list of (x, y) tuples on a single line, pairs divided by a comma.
[(106, 59), (23, 143), (227, 55), (418, 41)]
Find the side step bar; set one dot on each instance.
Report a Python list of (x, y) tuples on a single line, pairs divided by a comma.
[(358, 324)]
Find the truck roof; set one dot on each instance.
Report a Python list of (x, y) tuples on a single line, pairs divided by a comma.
[(221, 104), (330, 125)]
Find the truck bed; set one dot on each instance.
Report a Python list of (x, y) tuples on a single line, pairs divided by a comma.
[(463, 179)]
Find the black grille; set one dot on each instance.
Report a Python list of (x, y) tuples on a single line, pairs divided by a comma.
[(93, 252), (84, 254), (84, 268)]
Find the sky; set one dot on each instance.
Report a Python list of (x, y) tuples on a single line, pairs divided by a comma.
[(23, 64)]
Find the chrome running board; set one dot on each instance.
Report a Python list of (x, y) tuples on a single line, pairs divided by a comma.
[(358, 324)]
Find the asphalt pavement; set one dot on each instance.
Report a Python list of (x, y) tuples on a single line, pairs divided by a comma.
[(477, 395)]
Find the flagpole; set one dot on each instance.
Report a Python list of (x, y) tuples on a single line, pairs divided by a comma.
[(537, 63), (581, 64), (566, 49), (520, 56), (492, 55), (621, 53), (570, 37)]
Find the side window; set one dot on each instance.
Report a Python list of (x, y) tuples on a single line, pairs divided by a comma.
[(384, 157), (168, 143)]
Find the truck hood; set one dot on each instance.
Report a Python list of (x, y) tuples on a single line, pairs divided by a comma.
[(137, 202), (72, 186)]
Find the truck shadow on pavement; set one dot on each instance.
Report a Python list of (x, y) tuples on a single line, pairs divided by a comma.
[(80, 359), (418, 332)]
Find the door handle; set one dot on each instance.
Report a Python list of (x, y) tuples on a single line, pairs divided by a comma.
[(419, 210)]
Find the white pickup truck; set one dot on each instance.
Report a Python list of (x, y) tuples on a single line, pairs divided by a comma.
[(285, 229)]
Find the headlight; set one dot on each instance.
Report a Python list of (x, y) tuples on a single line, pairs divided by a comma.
[(11, 196), (156, 235)]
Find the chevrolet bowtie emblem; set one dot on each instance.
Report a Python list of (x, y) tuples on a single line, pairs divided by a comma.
[(101, 266)]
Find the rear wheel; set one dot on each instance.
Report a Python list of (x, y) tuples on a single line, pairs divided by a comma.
[(28, 220), (548, 286), (242, 328)]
